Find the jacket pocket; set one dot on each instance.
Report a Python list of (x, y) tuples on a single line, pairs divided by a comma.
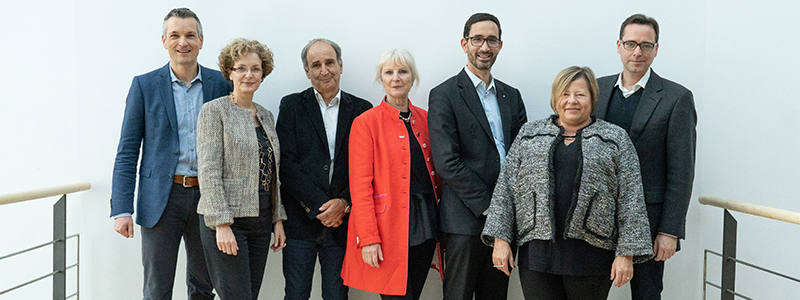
[(601, 216), (380, 203), (234, 191), (144, 172)]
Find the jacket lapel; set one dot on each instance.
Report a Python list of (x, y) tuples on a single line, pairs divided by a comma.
[(345, 117), (604, 97), (313, 112), (504, 102), (470, 97), (647, 104), (208, 85), (165, 87)]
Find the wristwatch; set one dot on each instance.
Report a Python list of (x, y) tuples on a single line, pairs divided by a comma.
[(346, 206)]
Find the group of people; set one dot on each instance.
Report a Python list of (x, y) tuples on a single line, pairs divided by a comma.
[(594, 195)]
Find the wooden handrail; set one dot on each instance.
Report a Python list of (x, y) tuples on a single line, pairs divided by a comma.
[(753, 209), (44, 192)]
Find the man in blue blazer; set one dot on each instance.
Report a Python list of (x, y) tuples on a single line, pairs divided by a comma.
[(160, 119), (660, 118), (314, 128)]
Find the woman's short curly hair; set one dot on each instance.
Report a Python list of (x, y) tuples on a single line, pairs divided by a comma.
[(239, 48)]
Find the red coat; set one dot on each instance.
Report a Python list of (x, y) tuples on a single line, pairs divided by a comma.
[(380, 168)]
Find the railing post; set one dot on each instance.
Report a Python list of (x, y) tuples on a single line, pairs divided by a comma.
[(728, 256), (60, 249)]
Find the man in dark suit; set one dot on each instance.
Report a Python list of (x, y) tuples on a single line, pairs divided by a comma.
[(313, 127), (660, 118), (161, 117), (473, 119)]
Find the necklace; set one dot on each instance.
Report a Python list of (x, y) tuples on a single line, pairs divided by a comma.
[(569, 136), (233, 98), (406, 119)]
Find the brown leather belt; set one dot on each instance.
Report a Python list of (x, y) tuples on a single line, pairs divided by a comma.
[(186, 181)]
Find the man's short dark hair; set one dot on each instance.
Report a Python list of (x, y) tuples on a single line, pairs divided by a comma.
[(335, 46), (641, 20), (182, 13), (480, 17)]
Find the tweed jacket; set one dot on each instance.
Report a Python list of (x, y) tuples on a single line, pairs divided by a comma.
[(609, 212), (228, 162)]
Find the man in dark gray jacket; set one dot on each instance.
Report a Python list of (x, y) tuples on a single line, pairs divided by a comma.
[(660, 118), (473, 118)]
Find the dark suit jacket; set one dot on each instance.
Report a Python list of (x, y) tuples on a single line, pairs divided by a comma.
[(663, 132), (150, 121), (463, 148), (305, 161)]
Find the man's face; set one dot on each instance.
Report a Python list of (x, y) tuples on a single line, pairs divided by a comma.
[(637, 62), (482, 57), (182, 41), (324, 69)]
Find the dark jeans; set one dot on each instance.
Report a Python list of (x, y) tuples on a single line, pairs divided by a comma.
[(469, 270), (299, 261), (160, 246), (238, 277), (647, 282), (544, 286), (419, 264)]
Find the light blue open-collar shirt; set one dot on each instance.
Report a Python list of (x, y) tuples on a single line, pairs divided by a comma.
[(188, 99), (488, 96)]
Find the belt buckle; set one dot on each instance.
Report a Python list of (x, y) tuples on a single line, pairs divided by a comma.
[(184, 183)]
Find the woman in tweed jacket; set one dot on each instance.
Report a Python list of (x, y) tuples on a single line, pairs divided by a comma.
[(238, 162), (570, 196)]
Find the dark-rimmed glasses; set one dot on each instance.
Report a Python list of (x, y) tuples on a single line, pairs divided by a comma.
[(631, 45), (477, 41)]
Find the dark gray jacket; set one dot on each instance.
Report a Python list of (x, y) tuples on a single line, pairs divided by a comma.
[(610, 210)]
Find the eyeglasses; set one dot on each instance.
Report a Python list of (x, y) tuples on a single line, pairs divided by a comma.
[(631, 45), (243, 70), (477, 41)]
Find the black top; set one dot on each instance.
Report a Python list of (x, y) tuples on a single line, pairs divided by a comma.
[(423, 214), (266, 174), (566, 256), (621, 109)]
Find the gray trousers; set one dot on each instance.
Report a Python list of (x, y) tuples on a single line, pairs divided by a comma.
[(160, 246)]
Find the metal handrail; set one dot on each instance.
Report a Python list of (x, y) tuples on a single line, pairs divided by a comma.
[(727, 287), (44, 192), (753, 209)]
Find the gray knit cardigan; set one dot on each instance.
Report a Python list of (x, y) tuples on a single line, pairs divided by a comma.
[(610, 210), (228, 162)]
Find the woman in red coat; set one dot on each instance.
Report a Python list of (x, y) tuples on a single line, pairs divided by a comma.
[(394, 221)]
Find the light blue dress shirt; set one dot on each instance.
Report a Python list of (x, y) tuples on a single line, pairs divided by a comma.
[(188, 101), (488, 96)]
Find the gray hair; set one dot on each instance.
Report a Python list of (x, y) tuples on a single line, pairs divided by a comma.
[(182, 13), (401, 57), (335, 46)]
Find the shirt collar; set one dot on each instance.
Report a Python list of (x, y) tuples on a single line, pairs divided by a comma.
[(334, 101), (642, 83), (476, 81), (175, 78)]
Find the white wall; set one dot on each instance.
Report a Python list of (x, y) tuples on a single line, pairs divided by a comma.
[(67, 67)]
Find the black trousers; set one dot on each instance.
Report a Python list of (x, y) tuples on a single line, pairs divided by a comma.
[(238, 277), (419, 264), (160, 246), (647, 282), (469, 270), (544, 286)]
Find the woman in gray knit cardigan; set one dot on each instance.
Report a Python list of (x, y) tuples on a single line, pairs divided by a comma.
[(570, 196), (238, 157)]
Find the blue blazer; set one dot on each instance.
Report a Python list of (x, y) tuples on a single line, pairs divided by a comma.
[(150, 122)]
